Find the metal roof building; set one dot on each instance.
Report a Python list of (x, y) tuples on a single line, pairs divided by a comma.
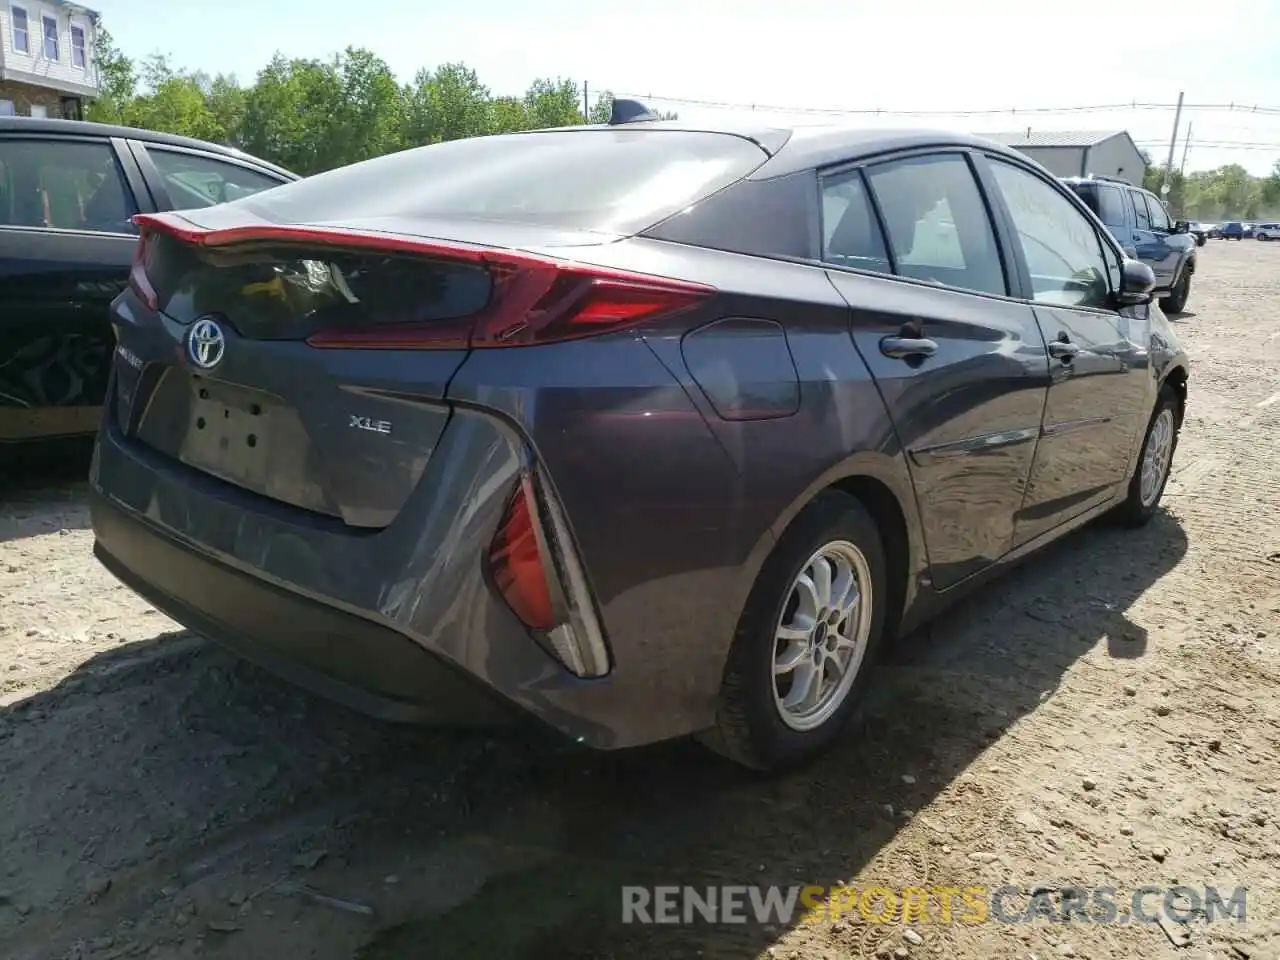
[(1078, 153)]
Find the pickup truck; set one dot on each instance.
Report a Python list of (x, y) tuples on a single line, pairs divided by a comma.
[(1141, 224)]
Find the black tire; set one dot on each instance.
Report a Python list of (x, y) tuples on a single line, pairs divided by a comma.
[(1136, 511), (750, 729), (1200, 241), (1176, 301)]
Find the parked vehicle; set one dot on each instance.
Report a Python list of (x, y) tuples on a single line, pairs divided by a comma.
[(1234, 230), (1139, 221), (1267, 231), (643, 429), (1200, 231), (67, 192), (1214, 231)]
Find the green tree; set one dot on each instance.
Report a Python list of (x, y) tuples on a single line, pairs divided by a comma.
[(602, 109), (174, 102), (369, 112), (226, 101), (507, 115), (117, 80), (553, 103), (446, 104)]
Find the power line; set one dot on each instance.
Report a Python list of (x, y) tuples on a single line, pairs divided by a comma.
[(988, 112), (1218, 144)]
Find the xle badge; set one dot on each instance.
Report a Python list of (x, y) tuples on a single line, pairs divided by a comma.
[(373, 426)]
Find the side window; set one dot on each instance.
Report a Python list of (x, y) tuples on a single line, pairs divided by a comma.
[(937, 223), (1140, 209), (1110, 206), (66, 185), (1065, 256), (1159, 218), (21, 30), (196, 181), (850, 234)]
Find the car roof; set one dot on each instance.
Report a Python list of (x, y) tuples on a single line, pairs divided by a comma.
[(801, 147), (86, 128), (819, 146)]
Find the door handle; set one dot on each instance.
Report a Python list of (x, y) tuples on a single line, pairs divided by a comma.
[(905, 348), (1063, 350)]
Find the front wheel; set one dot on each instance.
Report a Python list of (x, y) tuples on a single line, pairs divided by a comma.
[(806, 639), (1152, 472), (1176, 301)]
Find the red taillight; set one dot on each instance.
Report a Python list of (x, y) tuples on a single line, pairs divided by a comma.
[(516, 562), (139, 282), (535, 299)]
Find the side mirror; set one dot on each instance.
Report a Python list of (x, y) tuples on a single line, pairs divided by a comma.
[(1181, 226), (1136, 283)]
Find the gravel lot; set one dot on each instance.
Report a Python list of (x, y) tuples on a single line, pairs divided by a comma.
[(1108, 715)]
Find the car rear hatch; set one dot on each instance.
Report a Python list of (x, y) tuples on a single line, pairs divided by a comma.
[(307, 336)]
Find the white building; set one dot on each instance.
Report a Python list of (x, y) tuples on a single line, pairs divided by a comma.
[(46, 58)]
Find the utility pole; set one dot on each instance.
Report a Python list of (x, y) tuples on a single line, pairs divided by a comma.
[(1173, 144), (1186, 145), (586, 103)]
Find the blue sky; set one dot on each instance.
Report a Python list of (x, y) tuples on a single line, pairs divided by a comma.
[(838, 54)]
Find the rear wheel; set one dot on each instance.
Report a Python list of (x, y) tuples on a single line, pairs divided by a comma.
[(1176, 301), (806, 639), (1152, 472)]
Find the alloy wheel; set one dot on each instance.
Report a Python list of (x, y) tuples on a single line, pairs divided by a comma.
[(821, 638), (1156, 457)]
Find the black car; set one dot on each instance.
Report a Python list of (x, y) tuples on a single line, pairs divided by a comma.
[(1201, 231), (643, 429), (1145, 231), (1236, 230), (68, 191)]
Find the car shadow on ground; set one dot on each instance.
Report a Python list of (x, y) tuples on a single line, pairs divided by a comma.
[(170, 762), (42, 488)]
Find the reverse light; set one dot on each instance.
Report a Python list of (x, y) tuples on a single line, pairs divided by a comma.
[(536, 569), (516, 559), (535, 299)]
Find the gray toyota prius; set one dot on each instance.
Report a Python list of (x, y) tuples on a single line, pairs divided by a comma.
[(643, 429)]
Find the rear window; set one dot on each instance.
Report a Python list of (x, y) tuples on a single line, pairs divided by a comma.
[(615, 181), (1104, 201)]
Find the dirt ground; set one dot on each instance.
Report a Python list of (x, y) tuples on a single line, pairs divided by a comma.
[(1107, 715)]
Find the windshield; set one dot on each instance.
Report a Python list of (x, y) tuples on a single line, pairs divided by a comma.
[(616, 181)]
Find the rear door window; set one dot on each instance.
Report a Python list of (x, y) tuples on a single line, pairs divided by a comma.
[(63, 185), (616, 181), (1140, 210), (194, 180), (937, 222)]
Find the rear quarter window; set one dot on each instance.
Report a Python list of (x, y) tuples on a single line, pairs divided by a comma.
[(1110, 206), (1106, 202), (613, 181)]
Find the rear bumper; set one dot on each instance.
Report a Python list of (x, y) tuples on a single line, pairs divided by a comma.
[(400, 624), (368, 667)]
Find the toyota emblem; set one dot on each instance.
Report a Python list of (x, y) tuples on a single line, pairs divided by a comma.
[(206, 343)]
